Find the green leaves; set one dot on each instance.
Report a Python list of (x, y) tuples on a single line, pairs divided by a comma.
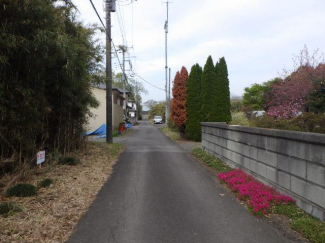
[(222, 97), (47, 59), (208, 91), (193, 104)]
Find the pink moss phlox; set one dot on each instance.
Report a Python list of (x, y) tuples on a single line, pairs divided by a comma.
[(260, 198)]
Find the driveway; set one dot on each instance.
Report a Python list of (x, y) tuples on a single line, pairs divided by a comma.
[(158, 193)]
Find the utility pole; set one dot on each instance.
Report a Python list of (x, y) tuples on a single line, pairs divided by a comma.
[(110, 7), (169, 93), (166, 66), (124, 79)]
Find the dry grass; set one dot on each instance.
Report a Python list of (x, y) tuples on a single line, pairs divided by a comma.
[(52, 215)]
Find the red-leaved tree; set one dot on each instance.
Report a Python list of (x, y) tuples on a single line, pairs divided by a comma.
[(286, 99), (289, 97), (178, 104)]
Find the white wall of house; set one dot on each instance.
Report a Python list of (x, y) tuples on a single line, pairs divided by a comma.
[(99, 113)]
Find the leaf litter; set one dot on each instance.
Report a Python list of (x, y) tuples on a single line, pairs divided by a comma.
[(52, 215)]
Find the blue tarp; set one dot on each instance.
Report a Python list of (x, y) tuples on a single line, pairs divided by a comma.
[(101, 131)]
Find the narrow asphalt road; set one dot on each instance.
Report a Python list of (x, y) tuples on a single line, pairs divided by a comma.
[(158, 193)]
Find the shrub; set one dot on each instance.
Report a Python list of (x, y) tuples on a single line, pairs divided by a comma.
[(306, 122), (22, 190), (239, 118), (171, 124), (7, 208), (45, 183), (69, 160)]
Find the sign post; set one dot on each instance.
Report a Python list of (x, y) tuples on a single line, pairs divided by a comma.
[(40, 157)]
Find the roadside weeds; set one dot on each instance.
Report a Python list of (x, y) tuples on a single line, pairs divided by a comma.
[(52, 215)]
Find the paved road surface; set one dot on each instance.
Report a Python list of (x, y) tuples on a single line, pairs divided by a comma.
[(159, 194)]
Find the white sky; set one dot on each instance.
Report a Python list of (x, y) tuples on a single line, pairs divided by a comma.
[(257, 37)]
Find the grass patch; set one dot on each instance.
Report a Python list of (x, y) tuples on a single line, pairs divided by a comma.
[(115, 134), (311, 228), (307, 225), (115, 149), (69, 160), (22, 190), (175, 135), (9, 208), (210, 160), (45, 183), (291, 211)]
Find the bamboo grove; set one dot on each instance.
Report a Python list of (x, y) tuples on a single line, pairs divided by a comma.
[(47, 58)]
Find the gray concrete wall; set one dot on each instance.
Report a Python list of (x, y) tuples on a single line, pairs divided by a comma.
[(291, 162)]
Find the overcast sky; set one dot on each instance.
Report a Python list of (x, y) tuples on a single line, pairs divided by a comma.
[(258, 38)]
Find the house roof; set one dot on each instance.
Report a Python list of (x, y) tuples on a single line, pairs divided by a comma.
[(103, 86)]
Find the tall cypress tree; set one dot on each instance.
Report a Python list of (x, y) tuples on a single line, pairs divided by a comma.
[(193, 104), (222, 98), (208, 91), (178, 108)]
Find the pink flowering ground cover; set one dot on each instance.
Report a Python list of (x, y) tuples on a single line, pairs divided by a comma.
[(260, 198)]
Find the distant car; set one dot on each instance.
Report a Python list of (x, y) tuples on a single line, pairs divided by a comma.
[(157, 119)]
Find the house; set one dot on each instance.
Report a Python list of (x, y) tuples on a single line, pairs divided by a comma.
[(98, 117), (132, 112)]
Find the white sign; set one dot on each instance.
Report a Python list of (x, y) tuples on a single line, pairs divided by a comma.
[(40, 157)]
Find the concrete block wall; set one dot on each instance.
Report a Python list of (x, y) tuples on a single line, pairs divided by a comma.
[(291, 162)]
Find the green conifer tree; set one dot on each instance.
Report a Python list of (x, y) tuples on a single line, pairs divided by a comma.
[(222, 97), (208, 91), (193, 104)]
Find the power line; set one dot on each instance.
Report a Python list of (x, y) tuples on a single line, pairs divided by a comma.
[(148, 82), (100, 19), (97, 13)]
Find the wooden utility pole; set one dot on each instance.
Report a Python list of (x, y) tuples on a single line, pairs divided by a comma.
[(110, 7)]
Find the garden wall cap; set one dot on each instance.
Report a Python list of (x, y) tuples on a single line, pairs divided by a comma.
[(314, 138)]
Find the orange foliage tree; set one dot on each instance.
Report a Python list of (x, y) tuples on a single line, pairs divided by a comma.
[(178, 104)]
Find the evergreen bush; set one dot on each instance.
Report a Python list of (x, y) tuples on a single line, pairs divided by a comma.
[(46, 182), (22, 190), (208, 91), (222, 98), (7, 208), (69, 160), (193, 104)]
